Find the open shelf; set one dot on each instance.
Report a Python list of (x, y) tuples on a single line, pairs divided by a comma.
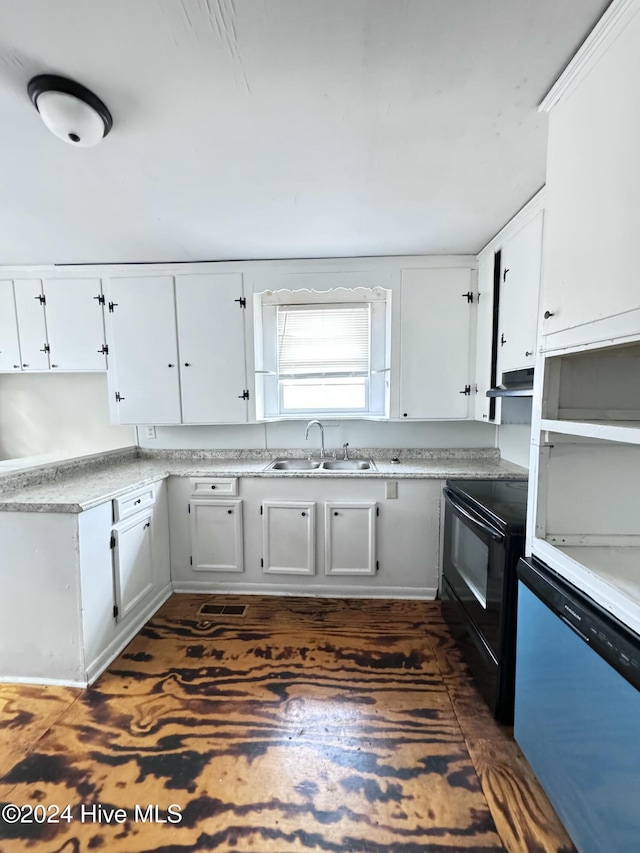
[(610, 574), (627, 432), (593, 390)]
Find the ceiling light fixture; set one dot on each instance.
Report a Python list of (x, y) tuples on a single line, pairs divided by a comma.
[(70, 111)]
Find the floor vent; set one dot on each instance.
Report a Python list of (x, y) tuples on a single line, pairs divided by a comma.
[(222, 610)]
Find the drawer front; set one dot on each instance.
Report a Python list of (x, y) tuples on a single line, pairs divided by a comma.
[(213, 487), (132, 502)]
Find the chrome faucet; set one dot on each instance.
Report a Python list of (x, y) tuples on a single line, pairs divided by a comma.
[(345, 448), (306, 435)]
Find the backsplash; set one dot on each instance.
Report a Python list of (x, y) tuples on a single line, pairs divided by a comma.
[(359, 433)]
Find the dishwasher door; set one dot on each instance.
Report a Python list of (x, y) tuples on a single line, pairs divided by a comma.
[(577, 710)]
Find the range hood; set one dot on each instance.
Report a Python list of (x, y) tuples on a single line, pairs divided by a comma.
[(515, 383)]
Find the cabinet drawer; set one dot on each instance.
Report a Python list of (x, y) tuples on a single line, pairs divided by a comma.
[(214, 487), (133, 502)]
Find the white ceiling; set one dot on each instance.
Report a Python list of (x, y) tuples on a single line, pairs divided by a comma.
[(277, 129)]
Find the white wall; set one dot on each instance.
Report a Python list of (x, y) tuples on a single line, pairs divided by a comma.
[(57, 415), (514, 441), (357, 433)]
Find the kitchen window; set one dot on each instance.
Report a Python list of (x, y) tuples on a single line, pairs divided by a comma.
[(322, 353)]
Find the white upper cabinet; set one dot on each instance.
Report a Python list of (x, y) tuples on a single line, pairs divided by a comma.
[(210, 316), (484, 337), (75, 323), (590, 272), (32, 328), (143, 352), (9, 346), (519, 292), (436, 315)]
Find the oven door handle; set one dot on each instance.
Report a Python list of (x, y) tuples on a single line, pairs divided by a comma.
[(472, 517)]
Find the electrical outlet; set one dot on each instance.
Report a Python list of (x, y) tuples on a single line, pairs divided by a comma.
[(150, 432)]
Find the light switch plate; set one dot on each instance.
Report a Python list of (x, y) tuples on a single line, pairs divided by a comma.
[(391, 489)]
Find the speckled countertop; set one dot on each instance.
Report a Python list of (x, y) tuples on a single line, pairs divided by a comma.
[(84, 483)]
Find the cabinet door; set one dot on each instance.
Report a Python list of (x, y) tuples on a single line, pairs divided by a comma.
[(216, 536), (212, 354), (75, 324), (132, 562), (350, 538), (143, 352), (484, 336), (32, 329), (519, 294), (9, 348), (434, 367), (288, 537)]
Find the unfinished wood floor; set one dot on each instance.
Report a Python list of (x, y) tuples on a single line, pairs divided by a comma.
[(307, 725)]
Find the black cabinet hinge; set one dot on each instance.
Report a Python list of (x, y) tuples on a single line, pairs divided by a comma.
[(115, 611), (46, 348), (41, 299), (119, 397), (468, 295), (467, 391), (242, 302), (104, 349), (112, 305), (244, 395), (112, 541), (100, 299), (262, 562)]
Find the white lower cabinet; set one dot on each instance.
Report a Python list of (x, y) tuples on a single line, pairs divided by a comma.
[(350, 537), (288, 537), (216, 535), (57, 613), (294, 543), (132, 563)]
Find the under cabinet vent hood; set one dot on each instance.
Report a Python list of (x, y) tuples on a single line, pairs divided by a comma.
[(515, 383)]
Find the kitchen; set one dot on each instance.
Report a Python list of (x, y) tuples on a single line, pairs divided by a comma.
[(576, 435)]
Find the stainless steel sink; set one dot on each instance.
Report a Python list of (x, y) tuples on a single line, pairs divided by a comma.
[(346, 465), (321, 465), (293, 465)]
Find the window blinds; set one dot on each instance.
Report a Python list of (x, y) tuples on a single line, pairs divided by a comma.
[(323, 340)]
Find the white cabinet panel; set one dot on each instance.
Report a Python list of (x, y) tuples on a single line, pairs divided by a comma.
[(288, 537), (75, 323), (9, 347), (484, 336), (212, 353), (133, 562), (436, 326), (32, 328), (216, 535), (143, 361), (519, 293), (350, 538)]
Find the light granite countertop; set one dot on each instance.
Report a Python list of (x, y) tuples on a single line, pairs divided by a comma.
[(78, 485)]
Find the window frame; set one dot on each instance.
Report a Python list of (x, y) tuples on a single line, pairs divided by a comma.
[(268, 389)]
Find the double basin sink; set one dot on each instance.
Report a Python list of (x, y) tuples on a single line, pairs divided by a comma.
[(321, 465)]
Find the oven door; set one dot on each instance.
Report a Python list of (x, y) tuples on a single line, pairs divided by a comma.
[(474, 567)]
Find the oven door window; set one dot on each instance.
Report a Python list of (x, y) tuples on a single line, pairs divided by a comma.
[(470, 557)]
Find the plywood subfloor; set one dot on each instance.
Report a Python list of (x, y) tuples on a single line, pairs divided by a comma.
[(308, 724)]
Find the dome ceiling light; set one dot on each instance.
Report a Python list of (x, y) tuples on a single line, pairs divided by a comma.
[(70, 111)]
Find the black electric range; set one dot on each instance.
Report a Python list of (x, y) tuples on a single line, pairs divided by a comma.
[(484, 531)]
